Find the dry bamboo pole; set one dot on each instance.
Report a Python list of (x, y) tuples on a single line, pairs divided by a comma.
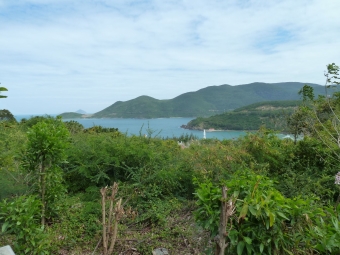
[(118, 213), (110, 222), (103, 193)]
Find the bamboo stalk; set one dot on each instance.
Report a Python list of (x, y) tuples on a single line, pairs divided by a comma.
[(103, 193), (118, 213)]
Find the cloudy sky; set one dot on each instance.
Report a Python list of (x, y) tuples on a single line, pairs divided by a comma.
[(65, 55)]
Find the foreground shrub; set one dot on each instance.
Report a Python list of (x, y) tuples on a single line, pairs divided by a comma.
[(267, 222), (21, 218)]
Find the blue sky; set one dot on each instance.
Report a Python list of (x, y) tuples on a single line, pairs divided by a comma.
[(65, 55)]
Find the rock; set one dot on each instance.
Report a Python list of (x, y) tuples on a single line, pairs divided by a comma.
[(6, 250), (160, 251)]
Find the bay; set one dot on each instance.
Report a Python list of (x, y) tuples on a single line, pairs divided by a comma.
[(162, 127)]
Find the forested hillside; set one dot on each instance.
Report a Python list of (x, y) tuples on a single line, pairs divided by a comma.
[(205, 102), (272, 114)]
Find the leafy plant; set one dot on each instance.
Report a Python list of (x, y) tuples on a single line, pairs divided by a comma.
[(3, 89), (20, 217), (45, 149), (268, 223)]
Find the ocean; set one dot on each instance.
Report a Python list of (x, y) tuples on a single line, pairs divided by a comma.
[(162, 127)]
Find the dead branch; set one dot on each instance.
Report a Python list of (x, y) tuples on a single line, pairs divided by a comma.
[(110, 222)]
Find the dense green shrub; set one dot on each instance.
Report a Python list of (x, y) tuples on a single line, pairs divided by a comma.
[(21, 217), (266, 222)]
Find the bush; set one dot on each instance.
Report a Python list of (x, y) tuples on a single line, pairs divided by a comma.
[(267, 222), (21, 217)]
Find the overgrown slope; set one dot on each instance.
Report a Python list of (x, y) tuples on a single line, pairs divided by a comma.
[(271, 113)]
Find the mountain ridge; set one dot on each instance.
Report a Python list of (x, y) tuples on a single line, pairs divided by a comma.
[(205, 102)]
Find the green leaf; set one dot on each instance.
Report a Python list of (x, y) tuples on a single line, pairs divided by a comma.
[(252, 210), (261, 247), (247, 239), (288, 252), (4, 226), (244, 211), (271, 219), (240, 247), (282, 215)]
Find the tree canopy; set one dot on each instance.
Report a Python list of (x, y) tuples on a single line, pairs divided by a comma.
[(3, 89)]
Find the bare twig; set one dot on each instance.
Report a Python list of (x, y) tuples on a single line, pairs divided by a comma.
[(97, 246)]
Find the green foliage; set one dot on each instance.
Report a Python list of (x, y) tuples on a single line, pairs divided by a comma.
[(328, 232), (183, 138), (271, 114), (100, 129), (208, 206), (20, 217), (74, 127), (29, 123), (71, 115), (297, 122), (205, 102), (323, 112), (12, 141), (3, 89), (45, 149), (78, 225), (285, 192), (98, 159), (299, 170), (47, 141), (266, 222), (332, 74), (6, 115)]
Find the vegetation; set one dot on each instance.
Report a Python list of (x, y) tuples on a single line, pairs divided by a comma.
[(2, 89), (272, 114), (278, 197), (71, 115), (205, 102), (46, 143), (7, 116)]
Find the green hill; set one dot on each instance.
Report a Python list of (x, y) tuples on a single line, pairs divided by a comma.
[(272, 114), (71, 115), (205, 102)]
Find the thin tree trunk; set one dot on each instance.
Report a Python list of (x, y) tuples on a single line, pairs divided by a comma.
[(222, 231), (227, 210), (43, 190)]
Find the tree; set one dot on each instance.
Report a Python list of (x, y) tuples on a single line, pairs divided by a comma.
[(323, 113), (7, 116), (297, 123), (47, 141), (3, 89)]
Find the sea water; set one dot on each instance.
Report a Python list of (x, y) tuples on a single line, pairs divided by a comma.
[(161, 127)]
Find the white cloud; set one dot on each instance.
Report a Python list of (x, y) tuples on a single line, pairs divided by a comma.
[(61, 55)]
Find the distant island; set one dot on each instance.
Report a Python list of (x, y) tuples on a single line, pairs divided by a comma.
[(205, 102), (74, 115), (81, 111)]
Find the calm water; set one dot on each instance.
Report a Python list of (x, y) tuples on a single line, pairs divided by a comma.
[(163, 127)]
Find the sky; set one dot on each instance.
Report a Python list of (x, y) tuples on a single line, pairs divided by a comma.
[(64, 55)]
